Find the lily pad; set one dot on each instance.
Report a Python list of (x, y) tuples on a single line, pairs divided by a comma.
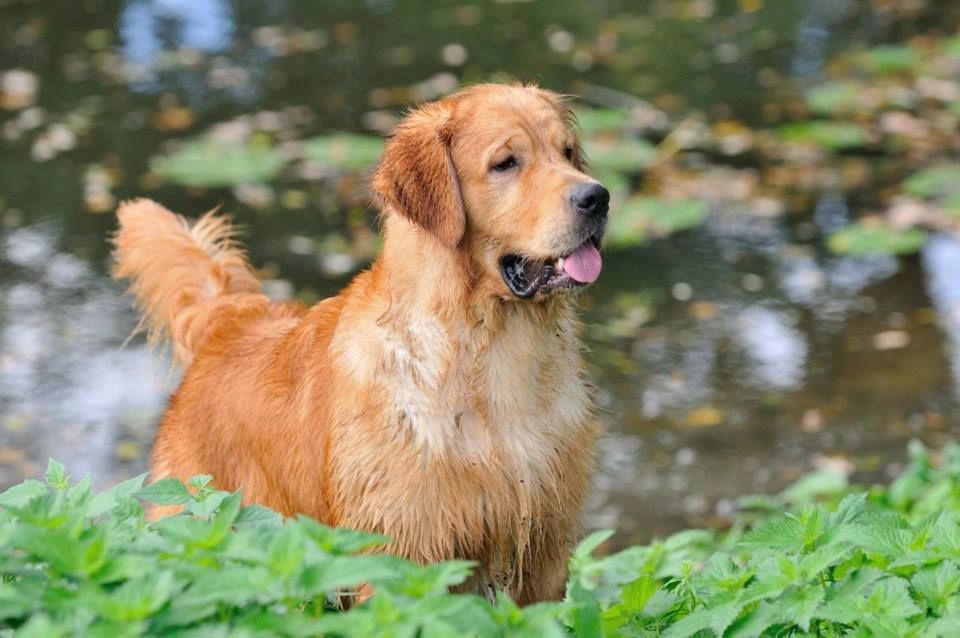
[(830, 135), (866, 238), (641, 217), (344, 151), (627, 155), (889, 59), (936, 182), (599, 120), (205, 161), (836, 97)]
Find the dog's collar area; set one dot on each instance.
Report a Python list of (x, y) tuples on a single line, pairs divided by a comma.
[(526, 277)]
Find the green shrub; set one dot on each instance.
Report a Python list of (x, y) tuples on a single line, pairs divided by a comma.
[(820, 560)]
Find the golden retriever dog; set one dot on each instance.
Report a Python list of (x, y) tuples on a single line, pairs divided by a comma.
[(440, 399)]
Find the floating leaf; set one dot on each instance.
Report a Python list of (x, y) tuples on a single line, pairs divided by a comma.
[(831, 135), (343, 151), (864, 238), (640, 217), (206, 161), (596, 120), (628, 155), (935, 182), (836, 97), (889, 59)]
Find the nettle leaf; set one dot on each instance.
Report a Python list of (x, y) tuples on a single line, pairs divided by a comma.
[(257, 515), (136, 599), (843, 600), (287, 550), (937, 584), (199, 481), (339, 541), (587, 546), (823, 557), (800, 605), (781, 533), (946, 540), (887, 535), (716, 618), (722, 574), (204, 504), (891, 598), (106, 501), (168, 491), (56, 475), (773, 576), (815, 485), (21, 494)]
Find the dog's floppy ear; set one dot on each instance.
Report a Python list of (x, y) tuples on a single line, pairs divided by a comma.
[(417, 178)]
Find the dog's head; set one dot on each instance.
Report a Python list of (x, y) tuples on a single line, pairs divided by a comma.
[(497, 171)]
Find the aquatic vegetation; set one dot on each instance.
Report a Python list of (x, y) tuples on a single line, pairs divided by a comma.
[(867, 237), (641, 217), (207, 161)]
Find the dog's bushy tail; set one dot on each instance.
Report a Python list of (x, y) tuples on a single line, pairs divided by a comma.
[(186, 277)]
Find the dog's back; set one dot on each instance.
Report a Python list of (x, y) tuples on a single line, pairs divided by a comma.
[(195, 289)]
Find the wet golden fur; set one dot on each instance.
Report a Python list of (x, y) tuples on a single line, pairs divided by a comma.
[(423, 402)]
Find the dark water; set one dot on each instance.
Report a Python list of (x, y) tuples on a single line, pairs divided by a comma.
[(730, 358)]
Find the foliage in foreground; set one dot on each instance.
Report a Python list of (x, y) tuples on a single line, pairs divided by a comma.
[(836, 563)]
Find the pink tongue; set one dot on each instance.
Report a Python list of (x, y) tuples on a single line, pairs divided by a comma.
[(584, 265)]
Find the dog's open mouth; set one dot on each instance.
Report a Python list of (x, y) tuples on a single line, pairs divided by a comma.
[(526, 277)]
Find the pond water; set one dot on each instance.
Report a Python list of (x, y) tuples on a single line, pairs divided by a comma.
[(730, 358)]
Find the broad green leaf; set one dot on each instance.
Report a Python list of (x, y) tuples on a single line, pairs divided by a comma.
[(168, 491), (888, 59), (618, 153), (56, 475), (937, 584), (935, 182), (343, 151), (596, 120), (257, 515), (642, 217), (106, 501), (21, 494), (207, 161), (863, 238), (826, 134)]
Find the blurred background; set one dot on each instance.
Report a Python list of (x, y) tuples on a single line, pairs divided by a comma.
[(782, 282)]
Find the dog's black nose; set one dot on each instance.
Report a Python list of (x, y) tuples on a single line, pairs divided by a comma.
[(590, 199)]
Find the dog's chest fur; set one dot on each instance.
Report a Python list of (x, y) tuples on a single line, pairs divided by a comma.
[(495, 419)]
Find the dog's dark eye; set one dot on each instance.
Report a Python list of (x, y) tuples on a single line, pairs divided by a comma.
[(568, 153), (505, 165)]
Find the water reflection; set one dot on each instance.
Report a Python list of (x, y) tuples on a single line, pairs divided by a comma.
[(67, 387), (941, 260)]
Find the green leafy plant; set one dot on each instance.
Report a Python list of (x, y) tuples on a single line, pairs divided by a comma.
[(821, 559)]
